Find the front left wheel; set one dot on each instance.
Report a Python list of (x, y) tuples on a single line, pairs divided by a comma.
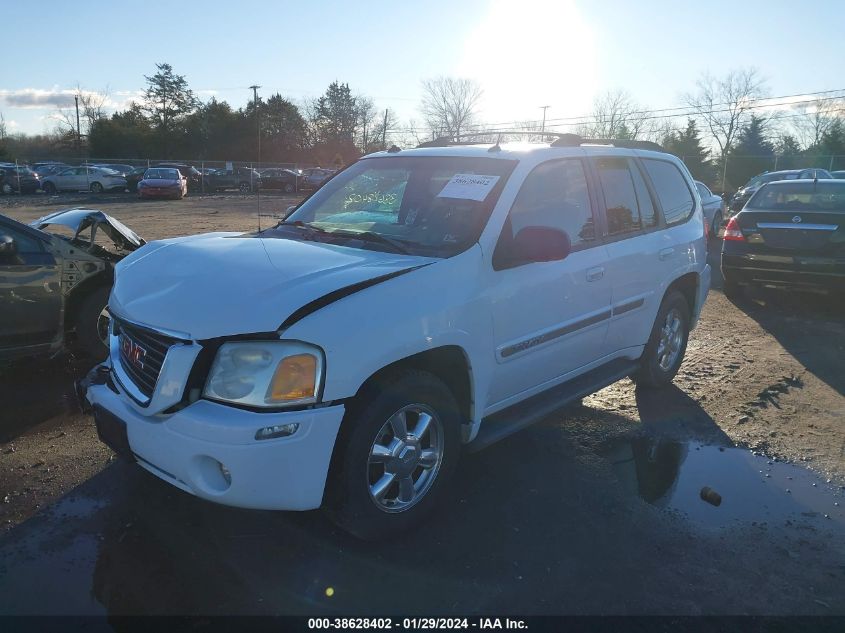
[(395, 455), (92, 325)]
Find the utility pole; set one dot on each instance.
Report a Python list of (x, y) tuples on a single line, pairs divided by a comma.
[(258, 128), (384, 131), (78, 132), (543, 129)]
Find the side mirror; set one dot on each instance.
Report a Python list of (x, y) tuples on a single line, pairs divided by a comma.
[(541, 244), (7, 245)]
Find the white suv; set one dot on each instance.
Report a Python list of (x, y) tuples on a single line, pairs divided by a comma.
[(422, 299)]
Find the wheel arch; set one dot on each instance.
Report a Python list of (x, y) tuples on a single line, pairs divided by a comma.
[(687, 285), (449, 363), (85, 288)]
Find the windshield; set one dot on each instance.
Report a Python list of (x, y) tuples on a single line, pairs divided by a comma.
[(161, 174), (801, 196), (430, 205)]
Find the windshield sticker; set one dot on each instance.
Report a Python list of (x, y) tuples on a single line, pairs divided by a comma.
[(468, 187)]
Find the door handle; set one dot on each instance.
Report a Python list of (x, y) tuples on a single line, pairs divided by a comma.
[(594, 274), (666, 253)]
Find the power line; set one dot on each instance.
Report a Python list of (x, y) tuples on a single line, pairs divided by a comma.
[(768, 102)]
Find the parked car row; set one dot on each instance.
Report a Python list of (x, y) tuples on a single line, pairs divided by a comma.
[(750, 188), (54, 177)]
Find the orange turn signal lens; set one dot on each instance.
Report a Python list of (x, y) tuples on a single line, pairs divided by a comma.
[(295, 378)]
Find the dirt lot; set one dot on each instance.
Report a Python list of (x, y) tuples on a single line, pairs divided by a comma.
[(594, 511)]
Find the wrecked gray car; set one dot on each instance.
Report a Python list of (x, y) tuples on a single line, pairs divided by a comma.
[(55, 277)]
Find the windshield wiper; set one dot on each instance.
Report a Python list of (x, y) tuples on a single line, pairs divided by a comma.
[(370, 236), (312, 230)]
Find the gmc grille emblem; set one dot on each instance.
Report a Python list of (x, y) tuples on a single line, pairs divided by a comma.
[(132, 352)]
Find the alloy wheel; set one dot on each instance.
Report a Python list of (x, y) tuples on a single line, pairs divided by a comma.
[(671, 336), (405, 458)]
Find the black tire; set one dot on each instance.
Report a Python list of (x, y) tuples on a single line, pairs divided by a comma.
[(731, 289), (349, 500), (717, 223), (8, 189), (49, 188), (651, 372), (245, 187), (96, 187), (289, 188), (89, 322)]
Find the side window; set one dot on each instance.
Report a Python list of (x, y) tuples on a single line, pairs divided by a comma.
[(25, 243), (672, 191), (617, 182), (648, 217), (555, 194)]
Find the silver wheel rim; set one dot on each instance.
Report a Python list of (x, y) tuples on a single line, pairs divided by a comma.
[(103, 327), (671, 335), (405, 458)]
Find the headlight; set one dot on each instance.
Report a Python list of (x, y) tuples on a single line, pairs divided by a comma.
[(265, 373)]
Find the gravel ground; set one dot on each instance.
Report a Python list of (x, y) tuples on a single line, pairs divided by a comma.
[(546, 520)]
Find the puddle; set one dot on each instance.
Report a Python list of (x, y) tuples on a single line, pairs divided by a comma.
[(753, 488)]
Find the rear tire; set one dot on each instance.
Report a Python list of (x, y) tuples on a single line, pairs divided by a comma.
[(92, 325), (245, 187), (289, 188), (667, 344), (382, 483), (731, 289), (96, 187)]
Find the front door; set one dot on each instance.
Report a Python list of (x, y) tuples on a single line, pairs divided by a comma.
[(549, 318), (30, 293)]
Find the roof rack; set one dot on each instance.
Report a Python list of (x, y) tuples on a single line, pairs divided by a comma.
[(562, 139)]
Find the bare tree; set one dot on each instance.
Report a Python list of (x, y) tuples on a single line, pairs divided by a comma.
[(724, 104), (616, 115), (367, 114), (450, 104), (816, 118), (91, 109), (384, 129)]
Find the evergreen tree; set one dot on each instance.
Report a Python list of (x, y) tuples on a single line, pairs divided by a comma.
[(335, 116), (167, 100), (687, 145), (788, 152), (833, 144), (752, 153)]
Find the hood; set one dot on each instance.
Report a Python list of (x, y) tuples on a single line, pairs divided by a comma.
[(79, 220), (223, 284), (161, 182)]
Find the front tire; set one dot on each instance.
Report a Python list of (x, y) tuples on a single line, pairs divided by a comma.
[(49, 188), (667, 344), (396, 453), (92, 325), (717, 223)]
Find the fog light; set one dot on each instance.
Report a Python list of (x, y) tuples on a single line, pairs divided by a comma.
[(280, 430)]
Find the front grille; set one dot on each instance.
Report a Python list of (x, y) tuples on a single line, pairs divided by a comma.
[(142, 354)]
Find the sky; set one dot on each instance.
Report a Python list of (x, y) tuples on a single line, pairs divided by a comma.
[(525, 54)]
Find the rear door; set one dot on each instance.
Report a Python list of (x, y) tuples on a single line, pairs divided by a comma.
[(639, 256), (549, 318), (30, 293)]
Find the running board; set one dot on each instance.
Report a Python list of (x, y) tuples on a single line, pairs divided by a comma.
[(523, 414)]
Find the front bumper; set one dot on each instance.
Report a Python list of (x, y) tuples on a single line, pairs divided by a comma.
[(186, 448)]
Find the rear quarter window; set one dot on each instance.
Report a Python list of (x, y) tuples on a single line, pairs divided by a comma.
[(672, 190)]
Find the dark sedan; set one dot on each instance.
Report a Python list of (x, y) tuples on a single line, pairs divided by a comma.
[(282, 179), (790, 233), (18, 180)]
